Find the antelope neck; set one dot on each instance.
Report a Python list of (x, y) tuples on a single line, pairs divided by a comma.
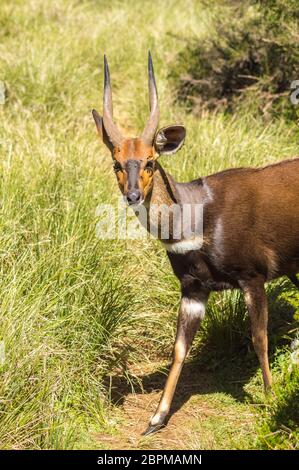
[(169, 195)]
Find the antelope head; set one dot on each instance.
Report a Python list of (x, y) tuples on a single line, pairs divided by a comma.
[(134, 159)]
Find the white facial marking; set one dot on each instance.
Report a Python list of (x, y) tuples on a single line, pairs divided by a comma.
[(183, 246), (193, 308)]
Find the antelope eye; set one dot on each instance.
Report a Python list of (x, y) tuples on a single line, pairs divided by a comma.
[(149, 166), (117, 167)]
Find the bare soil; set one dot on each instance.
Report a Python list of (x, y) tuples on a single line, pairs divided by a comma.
[(204, 415)]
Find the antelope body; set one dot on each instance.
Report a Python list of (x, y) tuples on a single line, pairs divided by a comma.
[(250, 229)]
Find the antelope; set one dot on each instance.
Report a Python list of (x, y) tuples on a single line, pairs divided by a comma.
[(250, 234)]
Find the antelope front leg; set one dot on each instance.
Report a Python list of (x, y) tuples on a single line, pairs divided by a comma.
[(257, 305), (192, 310)]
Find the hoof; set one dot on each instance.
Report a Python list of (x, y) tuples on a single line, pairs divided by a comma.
[(152, 429)]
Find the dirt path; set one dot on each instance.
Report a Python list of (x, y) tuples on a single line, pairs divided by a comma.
[(204, 414)]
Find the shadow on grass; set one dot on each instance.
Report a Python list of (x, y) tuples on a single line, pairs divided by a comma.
[(214, 368)]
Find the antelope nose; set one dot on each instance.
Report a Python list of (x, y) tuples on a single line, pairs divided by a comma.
[(133, 197)]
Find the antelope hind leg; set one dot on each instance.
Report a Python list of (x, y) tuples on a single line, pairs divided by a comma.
[(257, 305)]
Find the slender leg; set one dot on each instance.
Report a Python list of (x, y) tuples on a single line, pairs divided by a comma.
[(256, 301), (192, 310)]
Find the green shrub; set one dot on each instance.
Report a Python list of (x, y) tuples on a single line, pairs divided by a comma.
[(251, 57)]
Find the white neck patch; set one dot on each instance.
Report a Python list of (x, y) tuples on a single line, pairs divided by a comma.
[(183, 246)]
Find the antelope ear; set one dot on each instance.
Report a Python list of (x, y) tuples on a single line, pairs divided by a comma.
[(101, 129), (169, 139)]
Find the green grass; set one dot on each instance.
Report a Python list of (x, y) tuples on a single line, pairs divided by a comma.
[(74, 308), (279, 423)]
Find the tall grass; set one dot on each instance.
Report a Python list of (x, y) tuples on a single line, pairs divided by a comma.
[(75, 308)]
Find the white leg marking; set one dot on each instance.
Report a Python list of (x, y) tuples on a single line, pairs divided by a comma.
[(163, 408), (193, 308), (155, 419)]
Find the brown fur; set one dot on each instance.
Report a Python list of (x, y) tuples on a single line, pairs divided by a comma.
[(251, 222)]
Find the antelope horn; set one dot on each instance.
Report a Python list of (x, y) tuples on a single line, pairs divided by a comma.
[(111, 129), (151, 126)]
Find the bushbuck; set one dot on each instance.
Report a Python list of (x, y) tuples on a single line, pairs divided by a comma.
[(250, 227)]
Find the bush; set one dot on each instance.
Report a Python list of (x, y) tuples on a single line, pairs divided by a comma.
[(253, 56)]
